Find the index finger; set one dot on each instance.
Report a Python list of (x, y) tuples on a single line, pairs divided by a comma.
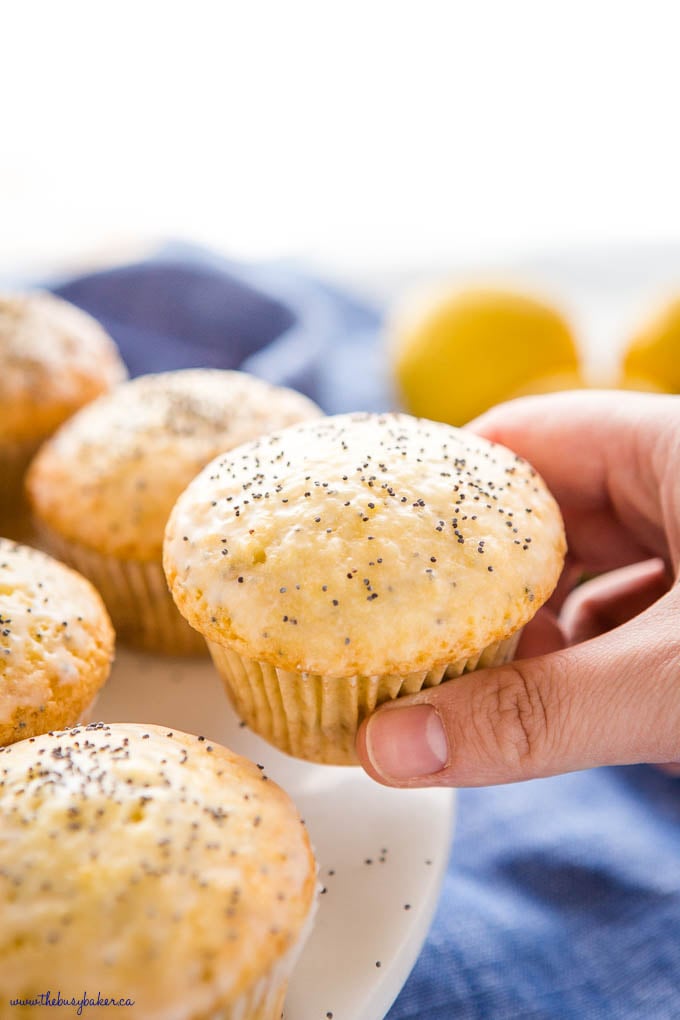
[(602, 455)]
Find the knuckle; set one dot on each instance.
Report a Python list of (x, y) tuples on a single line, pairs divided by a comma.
[(515, 720)]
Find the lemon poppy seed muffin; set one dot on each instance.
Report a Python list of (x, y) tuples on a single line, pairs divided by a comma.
[(56, 643), (103, 487), (55, 358), (349, 560), (152, 866)]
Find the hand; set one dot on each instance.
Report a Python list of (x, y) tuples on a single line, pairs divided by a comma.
[(598, 680)]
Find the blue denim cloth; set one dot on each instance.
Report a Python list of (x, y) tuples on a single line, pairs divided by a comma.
[(562, 898)]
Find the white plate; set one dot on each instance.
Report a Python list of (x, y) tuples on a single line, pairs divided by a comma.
[(382, 853)]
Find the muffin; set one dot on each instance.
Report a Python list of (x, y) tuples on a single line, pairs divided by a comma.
[(103, 486), (56, 643), (342, 562), (149, 866), (55, 359)]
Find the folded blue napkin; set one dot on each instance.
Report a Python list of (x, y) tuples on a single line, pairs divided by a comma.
[(562, 898), (189, 308)]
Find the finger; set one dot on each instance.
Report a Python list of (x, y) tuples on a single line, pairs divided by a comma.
[(599, 542), (541, 635), (613, 700), (601, 456), (571, 574), (610, 600)]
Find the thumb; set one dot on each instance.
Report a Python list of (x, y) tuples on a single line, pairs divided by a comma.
[(613, 700)]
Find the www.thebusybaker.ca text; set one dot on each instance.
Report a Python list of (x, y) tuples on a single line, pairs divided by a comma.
[(84, 1002)]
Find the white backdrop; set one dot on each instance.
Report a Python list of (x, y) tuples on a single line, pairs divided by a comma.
[(353, 133)]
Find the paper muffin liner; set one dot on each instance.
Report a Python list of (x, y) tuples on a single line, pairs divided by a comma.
[(135, 594), (315, 717), (264, 1000), (14, 514)]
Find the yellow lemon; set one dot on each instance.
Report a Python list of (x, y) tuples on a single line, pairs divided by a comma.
[(652, 358), (457, 354)]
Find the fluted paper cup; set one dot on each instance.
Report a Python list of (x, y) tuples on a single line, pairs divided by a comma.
[(316, 718)]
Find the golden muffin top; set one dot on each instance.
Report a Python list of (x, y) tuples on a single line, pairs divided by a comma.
[(363, 544), (56, 642), (109, 477), (156, 865), (55, 358)]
